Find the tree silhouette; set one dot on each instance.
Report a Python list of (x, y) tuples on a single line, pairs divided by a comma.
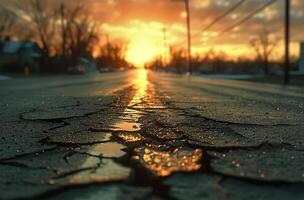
[(264, 46), (7, 22)]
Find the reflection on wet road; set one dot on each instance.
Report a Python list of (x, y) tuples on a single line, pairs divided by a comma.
[(127, 127), (147, 135), (129, 120), (128, 123), (160, 163), (164, 163)]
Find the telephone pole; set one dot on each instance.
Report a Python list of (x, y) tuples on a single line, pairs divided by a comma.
[(165, 46), (287, 42), (187, 7), (188, 20)]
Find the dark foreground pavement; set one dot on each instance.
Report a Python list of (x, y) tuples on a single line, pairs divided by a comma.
[(135, 135)]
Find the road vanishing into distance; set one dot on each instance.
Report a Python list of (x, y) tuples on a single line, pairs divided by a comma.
[(148, 135)]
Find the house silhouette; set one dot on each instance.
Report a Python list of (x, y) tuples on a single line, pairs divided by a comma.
[(16, 55)]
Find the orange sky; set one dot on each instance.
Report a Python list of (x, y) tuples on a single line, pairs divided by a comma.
[(141, 23)]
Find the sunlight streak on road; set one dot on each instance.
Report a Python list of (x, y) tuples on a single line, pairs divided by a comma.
[(131, 116)]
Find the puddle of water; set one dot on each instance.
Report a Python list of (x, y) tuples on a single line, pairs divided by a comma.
[(128, 137), (130, 114), (110, 149), (164, 163), (129, 123), (151, 107), (126, 126), (130, 117), (108, 171)]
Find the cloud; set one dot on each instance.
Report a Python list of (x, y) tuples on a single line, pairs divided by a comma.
[(120, 17)]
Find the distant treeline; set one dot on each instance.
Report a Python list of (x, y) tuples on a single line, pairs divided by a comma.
[(213, 62)]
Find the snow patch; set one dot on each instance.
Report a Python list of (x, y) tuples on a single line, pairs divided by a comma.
[(4, 78)]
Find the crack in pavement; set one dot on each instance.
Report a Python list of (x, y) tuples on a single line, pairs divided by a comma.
[(162, 144)]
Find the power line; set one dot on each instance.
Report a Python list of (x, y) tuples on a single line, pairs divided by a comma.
[(248, 17), (245, 19), (222, 16)]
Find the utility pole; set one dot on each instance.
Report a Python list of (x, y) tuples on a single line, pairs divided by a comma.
[(165, 46), (187, 7), (287, 42), (188, 20)]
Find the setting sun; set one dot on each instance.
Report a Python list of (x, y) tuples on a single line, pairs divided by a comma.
[(142, 49), (145, 40)]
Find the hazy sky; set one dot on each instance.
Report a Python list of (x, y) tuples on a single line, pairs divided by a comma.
[(141, 23)]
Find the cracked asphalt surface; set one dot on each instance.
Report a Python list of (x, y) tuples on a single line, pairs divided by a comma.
[(145, 135)]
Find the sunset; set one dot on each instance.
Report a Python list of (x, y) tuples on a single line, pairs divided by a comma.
[(141, 22), (152, 99)]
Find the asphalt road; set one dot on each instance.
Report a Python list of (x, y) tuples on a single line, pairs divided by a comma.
[(146, 135)]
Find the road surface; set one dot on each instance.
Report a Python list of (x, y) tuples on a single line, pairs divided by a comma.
[(146, 135)]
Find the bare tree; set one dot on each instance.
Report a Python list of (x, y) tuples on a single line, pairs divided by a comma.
[(7, 21), (62, 29), (113, 55), (44, 20), (78, 32), (264, 46), (178, 59)]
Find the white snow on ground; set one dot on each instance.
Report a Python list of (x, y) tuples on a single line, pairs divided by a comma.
[(4, 78), (229, 76)]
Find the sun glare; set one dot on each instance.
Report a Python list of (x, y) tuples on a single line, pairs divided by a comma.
[(145, 39), (142, 49)]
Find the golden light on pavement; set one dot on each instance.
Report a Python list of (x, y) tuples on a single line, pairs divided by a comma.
[(164, 163), (141, 83), (129, 121)]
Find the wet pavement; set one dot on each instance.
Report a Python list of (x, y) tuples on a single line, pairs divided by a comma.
[(144, 135)]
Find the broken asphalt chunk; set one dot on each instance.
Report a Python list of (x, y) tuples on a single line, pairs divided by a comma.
[(271, 164)]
